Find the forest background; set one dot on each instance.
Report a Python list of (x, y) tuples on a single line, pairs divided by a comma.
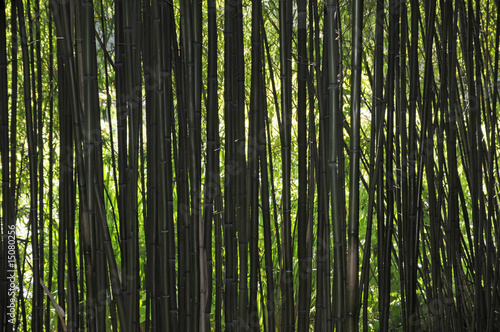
[(237, 165)]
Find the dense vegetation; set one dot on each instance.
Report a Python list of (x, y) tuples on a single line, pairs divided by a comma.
[(243, 165)]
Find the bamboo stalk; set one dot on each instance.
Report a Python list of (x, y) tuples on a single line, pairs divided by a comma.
[(212, 176), (302, 220), (51, 172), (231, 272), (353, 228), (255, 131), (285, 23), (335, 116)]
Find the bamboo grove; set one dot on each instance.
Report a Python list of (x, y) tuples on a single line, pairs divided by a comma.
[(241, 165)]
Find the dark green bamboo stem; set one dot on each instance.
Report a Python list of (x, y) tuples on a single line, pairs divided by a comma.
[(133, 100), (323, 303), (493, 152), (264, 195), (285, 23), (90, 105), (311, 158), (335, 187), (191, 56), (254, 116), (212, 176), (353, 228), (403, 142), (159, 119), (218, 261), (169, 40), (51, 173), (450, 109), (39, 124), (231, 270), (238, 124), (303, 307), (65, 170), (410, 232)]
